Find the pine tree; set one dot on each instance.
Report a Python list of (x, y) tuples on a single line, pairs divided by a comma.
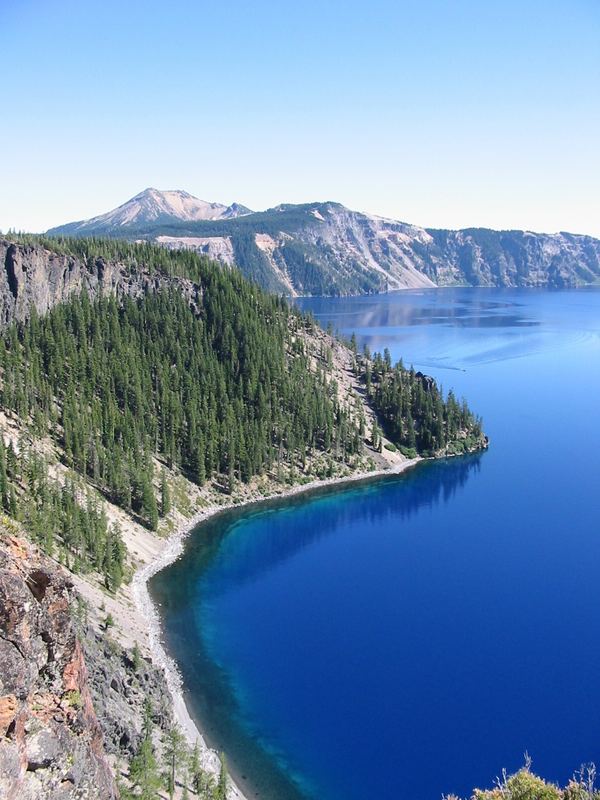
[(221, 793), (173, 750), (143, 771), (4, 487), (375, 436), (165, 494), (136, 657), (197, 774), (149, 507)]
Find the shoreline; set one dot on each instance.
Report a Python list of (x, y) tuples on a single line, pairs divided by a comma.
[(171, 550)]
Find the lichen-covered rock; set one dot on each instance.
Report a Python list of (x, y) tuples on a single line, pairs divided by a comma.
[(51, 745)]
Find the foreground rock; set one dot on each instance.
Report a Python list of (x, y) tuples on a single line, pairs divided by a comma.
[(51, 743), (119, 688)]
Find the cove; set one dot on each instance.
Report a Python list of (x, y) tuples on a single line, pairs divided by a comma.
[(413, 635)]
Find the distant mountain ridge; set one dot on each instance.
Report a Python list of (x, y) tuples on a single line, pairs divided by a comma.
[(152, 207), (327, 249)]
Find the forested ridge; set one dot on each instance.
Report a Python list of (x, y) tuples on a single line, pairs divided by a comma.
[(222, 388)]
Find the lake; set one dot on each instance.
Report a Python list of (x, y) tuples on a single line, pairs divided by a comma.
[(411, 636)]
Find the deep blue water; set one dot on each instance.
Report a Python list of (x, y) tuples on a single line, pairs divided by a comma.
[(414, 635)]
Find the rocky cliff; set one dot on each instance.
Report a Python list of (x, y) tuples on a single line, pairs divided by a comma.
[(483, 257), (32, 276), (51, 743), (327, 249)]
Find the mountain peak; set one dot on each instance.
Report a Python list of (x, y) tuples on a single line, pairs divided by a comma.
[(154, 193), (155, 206)]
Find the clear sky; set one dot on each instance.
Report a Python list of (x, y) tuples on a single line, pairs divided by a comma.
[(447, 113)]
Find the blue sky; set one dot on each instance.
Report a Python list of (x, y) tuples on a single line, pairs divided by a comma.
[(446, 114)]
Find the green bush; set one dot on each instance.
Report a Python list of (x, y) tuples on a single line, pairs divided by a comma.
[(409, 452)]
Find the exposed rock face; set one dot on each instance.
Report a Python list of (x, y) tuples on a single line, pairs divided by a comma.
[(482, 257), (34, 277), (51, 743), (119, 691), (325, 248), (218, 248)]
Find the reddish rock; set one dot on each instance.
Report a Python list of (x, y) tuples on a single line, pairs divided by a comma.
[(51, 743), (8, 712)]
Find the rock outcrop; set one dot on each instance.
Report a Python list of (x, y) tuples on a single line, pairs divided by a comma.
[(119, 688), (31, 276), (51, 743)]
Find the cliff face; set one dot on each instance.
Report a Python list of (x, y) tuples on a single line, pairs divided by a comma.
[(50, 740), (482, 257), (33, 277)]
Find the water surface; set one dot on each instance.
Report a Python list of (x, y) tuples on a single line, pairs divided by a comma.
[(414, 635)]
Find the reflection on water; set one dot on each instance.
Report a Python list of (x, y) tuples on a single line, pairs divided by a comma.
[(456, 329), (293, 525), (467, 308)]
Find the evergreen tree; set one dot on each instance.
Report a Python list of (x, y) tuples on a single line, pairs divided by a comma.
[(221, 793), (4, 486), (143, 770), (165, 494), (136, 657), (173, 752), (196, 772)]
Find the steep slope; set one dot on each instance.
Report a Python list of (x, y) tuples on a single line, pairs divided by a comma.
[(151, 207), (483, 257), (50, 739), (327, 249)]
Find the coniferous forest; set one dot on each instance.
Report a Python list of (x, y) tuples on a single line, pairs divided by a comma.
[(413, 411)]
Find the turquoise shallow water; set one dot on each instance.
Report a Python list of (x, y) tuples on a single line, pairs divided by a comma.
[(414, 635)]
